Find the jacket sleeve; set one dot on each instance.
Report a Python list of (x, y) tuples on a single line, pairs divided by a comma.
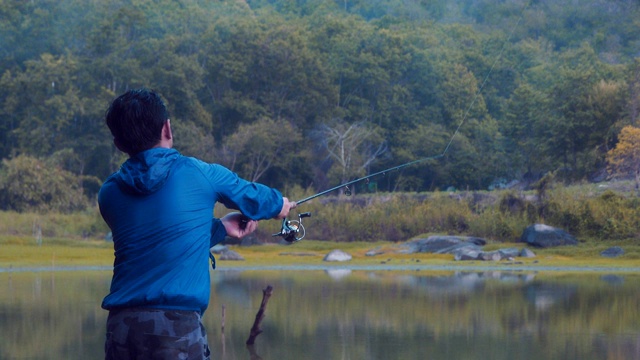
[(254, 200), (218, 232)]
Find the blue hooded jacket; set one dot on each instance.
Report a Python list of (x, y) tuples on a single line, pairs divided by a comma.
[(159, 206)]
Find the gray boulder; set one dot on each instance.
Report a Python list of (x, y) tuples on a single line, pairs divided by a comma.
[(250, 240), (444, 244), (491, 255), (544, 236), (219, 249), (374, 252), (470, 253), (612, 252), (466, 253), (509, 253), (527, 253), (337, 255), (230, 255)]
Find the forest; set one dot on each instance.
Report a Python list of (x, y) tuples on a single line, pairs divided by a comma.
[(310, 94)]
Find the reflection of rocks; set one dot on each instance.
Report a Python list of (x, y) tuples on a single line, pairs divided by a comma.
[(337, 255), (230, 285), (612, 279), (544, 296), (544, 236), (464, 282), (619, 347), (338, 274)]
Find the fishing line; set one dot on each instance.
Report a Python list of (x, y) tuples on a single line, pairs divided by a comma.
[(293, 230)]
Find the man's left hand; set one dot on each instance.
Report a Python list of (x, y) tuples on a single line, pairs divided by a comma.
[(238, 225)]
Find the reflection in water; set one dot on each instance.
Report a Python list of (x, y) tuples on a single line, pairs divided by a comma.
[(338, 274), (352, 314)]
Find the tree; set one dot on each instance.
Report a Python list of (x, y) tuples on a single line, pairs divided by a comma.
[(523, 128), (624, 159), (264, 67), (265, 145), (192, 140), (353, 147), (421, 141), (30, 184), (581, 114), (634, 92)]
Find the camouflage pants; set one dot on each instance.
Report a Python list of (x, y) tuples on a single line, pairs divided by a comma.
[(155, 334)]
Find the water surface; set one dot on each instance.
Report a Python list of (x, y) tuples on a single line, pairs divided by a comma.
[(352, 314)]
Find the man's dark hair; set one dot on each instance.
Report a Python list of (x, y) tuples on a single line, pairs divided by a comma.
[(135, 119)]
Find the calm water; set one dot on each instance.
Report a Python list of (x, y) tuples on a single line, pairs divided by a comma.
[(357, 314)]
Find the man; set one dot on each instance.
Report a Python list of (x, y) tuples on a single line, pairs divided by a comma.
[(159, 206)]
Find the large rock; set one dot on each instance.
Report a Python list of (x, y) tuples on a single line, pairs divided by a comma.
[(544, 236), (612, 252), (491, 255), (527, 253), (469, 253), (444, 244), (337, 255), (219, 249), (509, 253), (466, 253), (230, 255)]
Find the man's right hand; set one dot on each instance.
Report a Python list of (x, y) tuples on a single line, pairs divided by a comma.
[(286, 207)]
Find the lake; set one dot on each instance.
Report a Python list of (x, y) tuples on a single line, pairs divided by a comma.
[(352, 314)]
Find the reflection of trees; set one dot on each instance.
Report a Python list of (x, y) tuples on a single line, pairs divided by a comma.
[(52, 315), (365, 315), (371, 313)]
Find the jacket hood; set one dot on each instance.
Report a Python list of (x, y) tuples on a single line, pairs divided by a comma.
[(146, 172)]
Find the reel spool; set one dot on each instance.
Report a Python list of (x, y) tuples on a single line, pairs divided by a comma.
[(293, 230)]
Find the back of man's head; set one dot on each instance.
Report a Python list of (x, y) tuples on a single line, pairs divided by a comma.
[(135, 119)]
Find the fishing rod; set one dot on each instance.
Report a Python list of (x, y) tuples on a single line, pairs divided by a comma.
[(293, 230)]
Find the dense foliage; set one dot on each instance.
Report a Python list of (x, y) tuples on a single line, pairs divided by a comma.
[(309, 93)]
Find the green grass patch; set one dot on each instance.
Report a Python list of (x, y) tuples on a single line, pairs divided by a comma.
[(25, 252)]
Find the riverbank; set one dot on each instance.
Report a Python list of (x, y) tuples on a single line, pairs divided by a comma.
[(24, 254)]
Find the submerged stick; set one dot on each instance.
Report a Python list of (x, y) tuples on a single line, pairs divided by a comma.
[(224, 312), (255, 329)]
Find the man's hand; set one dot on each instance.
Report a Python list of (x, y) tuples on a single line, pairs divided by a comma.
[(238, 225), (286, 207)]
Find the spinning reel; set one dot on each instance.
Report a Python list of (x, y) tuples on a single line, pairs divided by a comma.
[(293, 230)]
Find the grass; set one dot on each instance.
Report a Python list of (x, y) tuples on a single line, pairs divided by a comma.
[(19, 252), (598, 215), (24, 252)]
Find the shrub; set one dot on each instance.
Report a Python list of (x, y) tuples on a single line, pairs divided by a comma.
[(30, 184)]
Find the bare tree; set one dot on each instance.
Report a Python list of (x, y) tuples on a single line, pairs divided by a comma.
[(353, 147)]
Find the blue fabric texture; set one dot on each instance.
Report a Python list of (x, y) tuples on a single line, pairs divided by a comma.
[(159, 206), (218, 232)]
